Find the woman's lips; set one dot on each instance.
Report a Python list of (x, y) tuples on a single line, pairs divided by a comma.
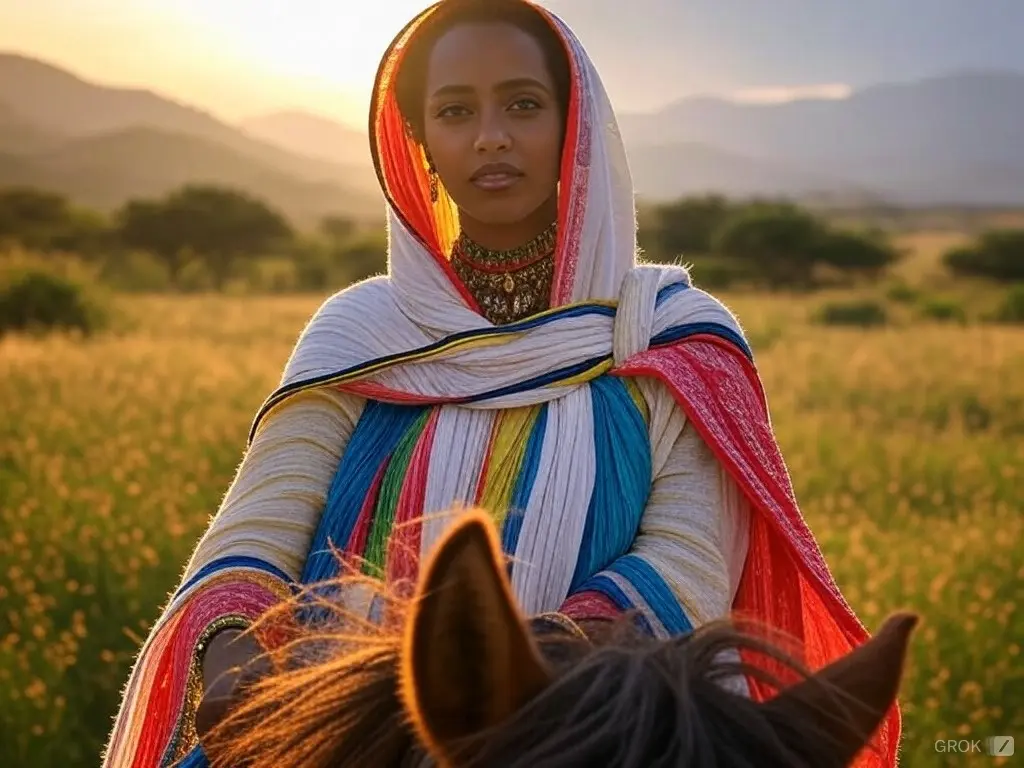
[(495, 182)]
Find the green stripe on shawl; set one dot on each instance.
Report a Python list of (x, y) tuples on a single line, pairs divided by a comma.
[(387, 500)]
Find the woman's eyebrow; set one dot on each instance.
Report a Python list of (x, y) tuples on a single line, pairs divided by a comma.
[(505, 85)]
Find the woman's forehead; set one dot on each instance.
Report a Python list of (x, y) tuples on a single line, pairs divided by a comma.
[(486, 56)]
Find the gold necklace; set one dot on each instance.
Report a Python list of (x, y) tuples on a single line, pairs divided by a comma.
[(508, 285)]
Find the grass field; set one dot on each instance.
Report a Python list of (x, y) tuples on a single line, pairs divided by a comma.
[(906, 444)]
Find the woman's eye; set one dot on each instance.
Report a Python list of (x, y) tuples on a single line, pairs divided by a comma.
[(525, 104), (452, 110)]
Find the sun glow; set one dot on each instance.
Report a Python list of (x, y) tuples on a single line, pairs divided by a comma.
[(333, 42)]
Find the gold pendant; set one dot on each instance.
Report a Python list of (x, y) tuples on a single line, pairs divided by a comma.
[(509, 284)]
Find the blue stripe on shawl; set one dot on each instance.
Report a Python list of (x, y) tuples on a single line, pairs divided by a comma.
[(655, 592), (622, 477), (375, 437), (679, 332), (524, 484), (668, 291), (537, 381), (194, 759), (234, 561), (606, 586)]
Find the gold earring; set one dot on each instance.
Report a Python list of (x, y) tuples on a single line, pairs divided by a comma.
[(432, 173)]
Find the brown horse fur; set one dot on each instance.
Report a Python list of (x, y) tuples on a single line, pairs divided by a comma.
[(465, 680)]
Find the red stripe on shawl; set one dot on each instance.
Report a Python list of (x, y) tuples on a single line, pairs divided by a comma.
[(356, 549), (384, 394), (589, 605), (575, 175), (402, 162), (481, 481), (167, 695), (403, 558), (786, 582)]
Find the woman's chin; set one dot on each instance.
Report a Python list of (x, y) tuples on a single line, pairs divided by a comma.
[(497, 215), (502, 213)]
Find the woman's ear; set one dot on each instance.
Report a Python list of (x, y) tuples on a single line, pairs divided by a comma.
[(468, 659)]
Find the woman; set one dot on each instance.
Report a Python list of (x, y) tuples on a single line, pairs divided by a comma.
[(515, 357)]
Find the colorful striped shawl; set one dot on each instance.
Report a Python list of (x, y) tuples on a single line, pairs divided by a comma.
[(380, 489)]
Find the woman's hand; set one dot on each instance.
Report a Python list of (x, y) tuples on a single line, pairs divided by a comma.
[(232, 661)]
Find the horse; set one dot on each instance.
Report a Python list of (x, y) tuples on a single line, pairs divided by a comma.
[(458, 677)]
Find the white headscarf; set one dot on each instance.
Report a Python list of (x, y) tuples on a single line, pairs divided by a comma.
[(421, 302)]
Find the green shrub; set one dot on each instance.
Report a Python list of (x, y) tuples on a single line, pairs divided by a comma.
[(135, 272), (1011, 309), (901, 293), (195, 276), (945, 310), (363, 256), (866, 313), (314, 265), (35, 298), (275, 275)]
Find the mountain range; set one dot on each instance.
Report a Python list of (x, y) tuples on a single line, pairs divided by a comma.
[(951, 139), (103, 145)]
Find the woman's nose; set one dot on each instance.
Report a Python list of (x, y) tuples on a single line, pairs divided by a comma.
[(493, 135)]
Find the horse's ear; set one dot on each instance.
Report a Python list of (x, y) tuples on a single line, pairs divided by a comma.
[(468, 660), (849, 698)]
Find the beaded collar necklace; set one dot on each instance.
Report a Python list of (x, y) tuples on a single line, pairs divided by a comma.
[(512, 284)]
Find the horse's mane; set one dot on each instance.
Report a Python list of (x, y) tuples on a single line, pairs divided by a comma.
[(339, 697)]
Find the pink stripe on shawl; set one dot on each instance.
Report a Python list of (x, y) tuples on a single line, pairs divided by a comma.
[(167, 683), (403, 556)]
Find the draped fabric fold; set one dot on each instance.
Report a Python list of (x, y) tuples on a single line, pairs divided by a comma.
[(435, 407)]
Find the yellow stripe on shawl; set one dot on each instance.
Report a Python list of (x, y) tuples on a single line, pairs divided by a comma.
[(600, 369), (511, 435), (639, 400)]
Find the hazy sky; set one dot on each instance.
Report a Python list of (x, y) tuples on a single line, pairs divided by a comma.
[(242, 57)]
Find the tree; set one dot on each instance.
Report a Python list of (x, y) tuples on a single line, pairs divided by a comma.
[(997, 255), (45, 221), (778, 241), (151, 226), (866, 253), (29, 215), (218, 225), (689, 225)]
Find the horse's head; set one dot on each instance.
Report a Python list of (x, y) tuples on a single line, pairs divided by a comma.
[(472, 682)]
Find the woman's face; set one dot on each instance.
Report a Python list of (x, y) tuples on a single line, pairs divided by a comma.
[(493, 129)]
